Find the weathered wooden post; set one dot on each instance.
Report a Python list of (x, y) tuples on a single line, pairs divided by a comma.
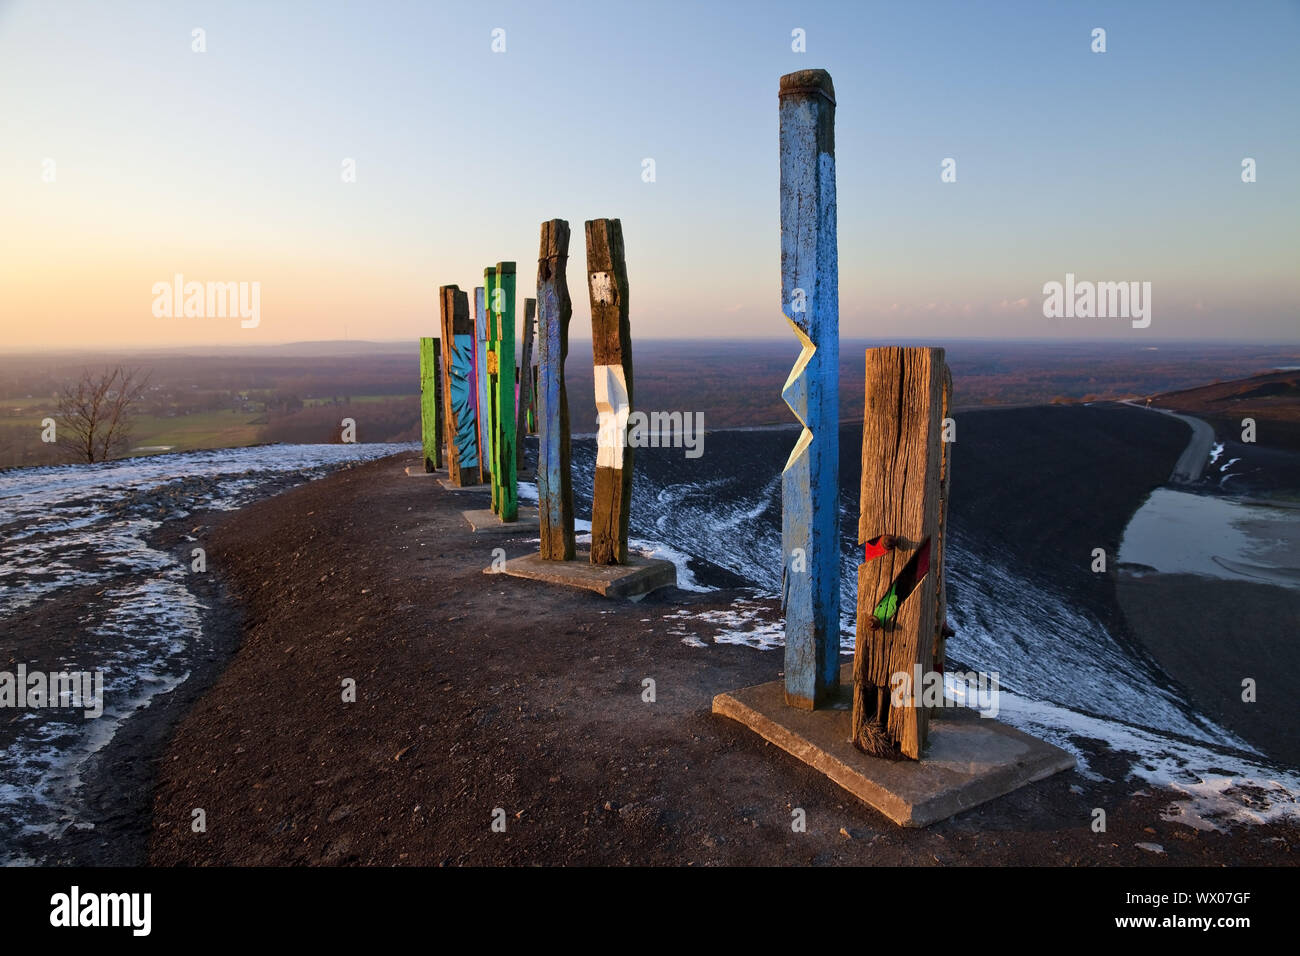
[(900, 593), (810, 525), (501, 366), (458, 409), (532, 405), (430, 401), (526, 371), (611, 343), (554, 478), (482, 406)]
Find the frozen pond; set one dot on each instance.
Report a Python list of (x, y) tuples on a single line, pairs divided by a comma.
[(1177, 532)]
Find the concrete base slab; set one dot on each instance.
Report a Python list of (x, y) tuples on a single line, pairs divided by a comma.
[(968, 759), (417, 471), (485, 521), (638, 577), (452, 486)]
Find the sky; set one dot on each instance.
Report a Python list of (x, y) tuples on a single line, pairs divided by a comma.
[(128, 157)]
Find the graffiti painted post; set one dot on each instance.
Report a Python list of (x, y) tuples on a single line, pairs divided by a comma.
[(501, 317), (810, 526), (554, 310), (900, 604), (490, 379), (481, 381), (458, 406), (611, 344), (430, 402)]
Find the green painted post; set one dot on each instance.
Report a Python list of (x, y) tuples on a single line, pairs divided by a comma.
[(430, 400), (490, 371), (504, 478)]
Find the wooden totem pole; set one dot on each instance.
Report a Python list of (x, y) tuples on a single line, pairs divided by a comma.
[(612, 351), (481, 405), (430, 402), (532, 400), (458, 396), (525, 390), (490, 367), (554, 310), (901, 608), (501, 372), (810, 525)]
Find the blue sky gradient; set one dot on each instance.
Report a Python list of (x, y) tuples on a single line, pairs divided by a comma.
[(226, 164)]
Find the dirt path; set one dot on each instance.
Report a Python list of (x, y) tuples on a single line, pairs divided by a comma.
[(1191, 463), (476, 693)]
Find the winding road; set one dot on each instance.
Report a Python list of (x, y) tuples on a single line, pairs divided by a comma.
[(1191, 463)]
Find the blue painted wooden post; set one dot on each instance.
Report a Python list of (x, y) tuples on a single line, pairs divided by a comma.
[(481, 380), (810, 520), (554, 478)]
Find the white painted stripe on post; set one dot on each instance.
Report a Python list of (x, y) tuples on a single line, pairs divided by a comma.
[(613, 408)]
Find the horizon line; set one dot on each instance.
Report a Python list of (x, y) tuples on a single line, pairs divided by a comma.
[(773, 340)]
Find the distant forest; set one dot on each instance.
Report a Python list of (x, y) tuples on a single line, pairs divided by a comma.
[(255, 395)]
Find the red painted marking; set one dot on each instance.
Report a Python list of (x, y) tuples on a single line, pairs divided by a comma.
[(874, 549)]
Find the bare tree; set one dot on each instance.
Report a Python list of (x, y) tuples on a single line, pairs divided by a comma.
[(95, 412)]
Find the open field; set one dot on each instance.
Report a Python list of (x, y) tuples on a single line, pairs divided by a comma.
[(360, 399), (200, 430)]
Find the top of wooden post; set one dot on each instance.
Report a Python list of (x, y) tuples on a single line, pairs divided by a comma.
[(505, 268), (554, 250), (455, 311), (808, 83), (604, 244), (555, 239)]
